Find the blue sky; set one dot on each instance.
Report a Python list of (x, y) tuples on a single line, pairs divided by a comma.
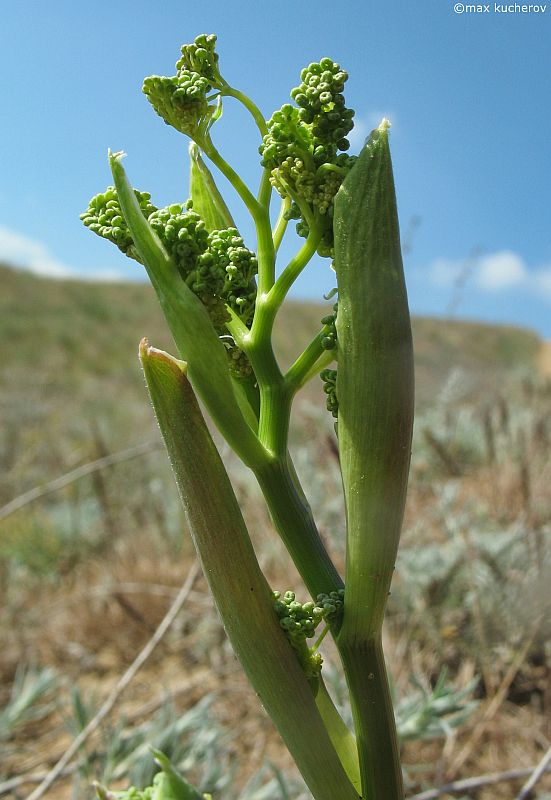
[(468, 95)]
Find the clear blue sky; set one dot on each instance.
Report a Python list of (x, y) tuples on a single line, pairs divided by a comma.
[(468, 95)]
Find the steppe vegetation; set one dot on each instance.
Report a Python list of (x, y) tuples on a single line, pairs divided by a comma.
[(88, 569)]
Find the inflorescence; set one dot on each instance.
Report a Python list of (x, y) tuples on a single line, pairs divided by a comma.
[(181, 101), (304, 151), (301, 148), (216, 266), (300, 620)]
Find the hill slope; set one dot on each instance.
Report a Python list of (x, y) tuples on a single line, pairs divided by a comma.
[(74, 343)]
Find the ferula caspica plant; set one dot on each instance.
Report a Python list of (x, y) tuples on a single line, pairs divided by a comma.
[(220, 299)]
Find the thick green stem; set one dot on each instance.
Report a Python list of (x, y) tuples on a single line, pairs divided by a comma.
[(375, 391), (381, 773), (294, 521), (273, 425)]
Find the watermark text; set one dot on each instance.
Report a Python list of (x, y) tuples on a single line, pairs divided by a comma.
[(500, 8)]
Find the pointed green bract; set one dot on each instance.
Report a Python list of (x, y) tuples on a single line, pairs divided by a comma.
[(207, 200), (210, 205), (375, 420), (374, 380), (169, 784), (190, 325)]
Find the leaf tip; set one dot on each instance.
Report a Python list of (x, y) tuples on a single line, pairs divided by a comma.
[(148, 353), (117, 156)]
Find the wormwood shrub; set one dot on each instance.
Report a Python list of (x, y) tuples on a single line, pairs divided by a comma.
[(220, 300)]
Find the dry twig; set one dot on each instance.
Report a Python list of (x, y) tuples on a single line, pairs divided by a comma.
[(542, 767), (467, 784), (74, 475)]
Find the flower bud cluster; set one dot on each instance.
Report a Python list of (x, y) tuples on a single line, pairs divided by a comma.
[(321, 101), (329, 337), (216, 266), (104, 217), (300, 620), (329, 378), (180, 100), (301, 148), (201, 57)]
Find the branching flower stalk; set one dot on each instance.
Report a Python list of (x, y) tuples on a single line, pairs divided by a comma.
[(220, 300)]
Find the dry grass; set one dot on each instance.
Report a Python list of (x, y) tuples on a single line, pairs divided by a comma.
[(87, 574)]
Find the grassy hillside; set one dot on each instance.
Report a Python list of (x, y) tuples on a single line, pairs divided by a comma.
[(75, 334), (87, 571)]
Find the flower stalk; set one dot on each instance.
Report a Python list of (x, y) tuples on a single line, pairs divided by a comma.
[(221, 301)]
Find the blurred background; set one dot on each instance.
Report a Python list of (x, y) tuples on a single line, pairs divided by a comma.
[(92, 541)]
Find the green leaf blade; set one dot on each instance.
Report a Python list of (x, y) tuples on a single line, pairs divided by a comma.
[(374, 380), (207, 200), (190, 325), (239, 588)]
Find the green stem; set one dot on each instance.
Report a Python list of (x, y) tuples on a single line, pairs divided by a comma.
[(293, 519), (228, 171), (275, 411), (265, 253), (275, 400), (293, 269), (326, 358), (373, 715), (229, 91), (343, 740), (281, 223), (299, 373), (321, 637), (258, 344), (265, 189)]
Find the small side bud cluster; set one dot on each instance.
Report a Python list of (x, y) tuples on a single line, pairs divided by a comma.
[(329, 337), (300, 620), (332, 604), (104, 217), (329, 378)]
